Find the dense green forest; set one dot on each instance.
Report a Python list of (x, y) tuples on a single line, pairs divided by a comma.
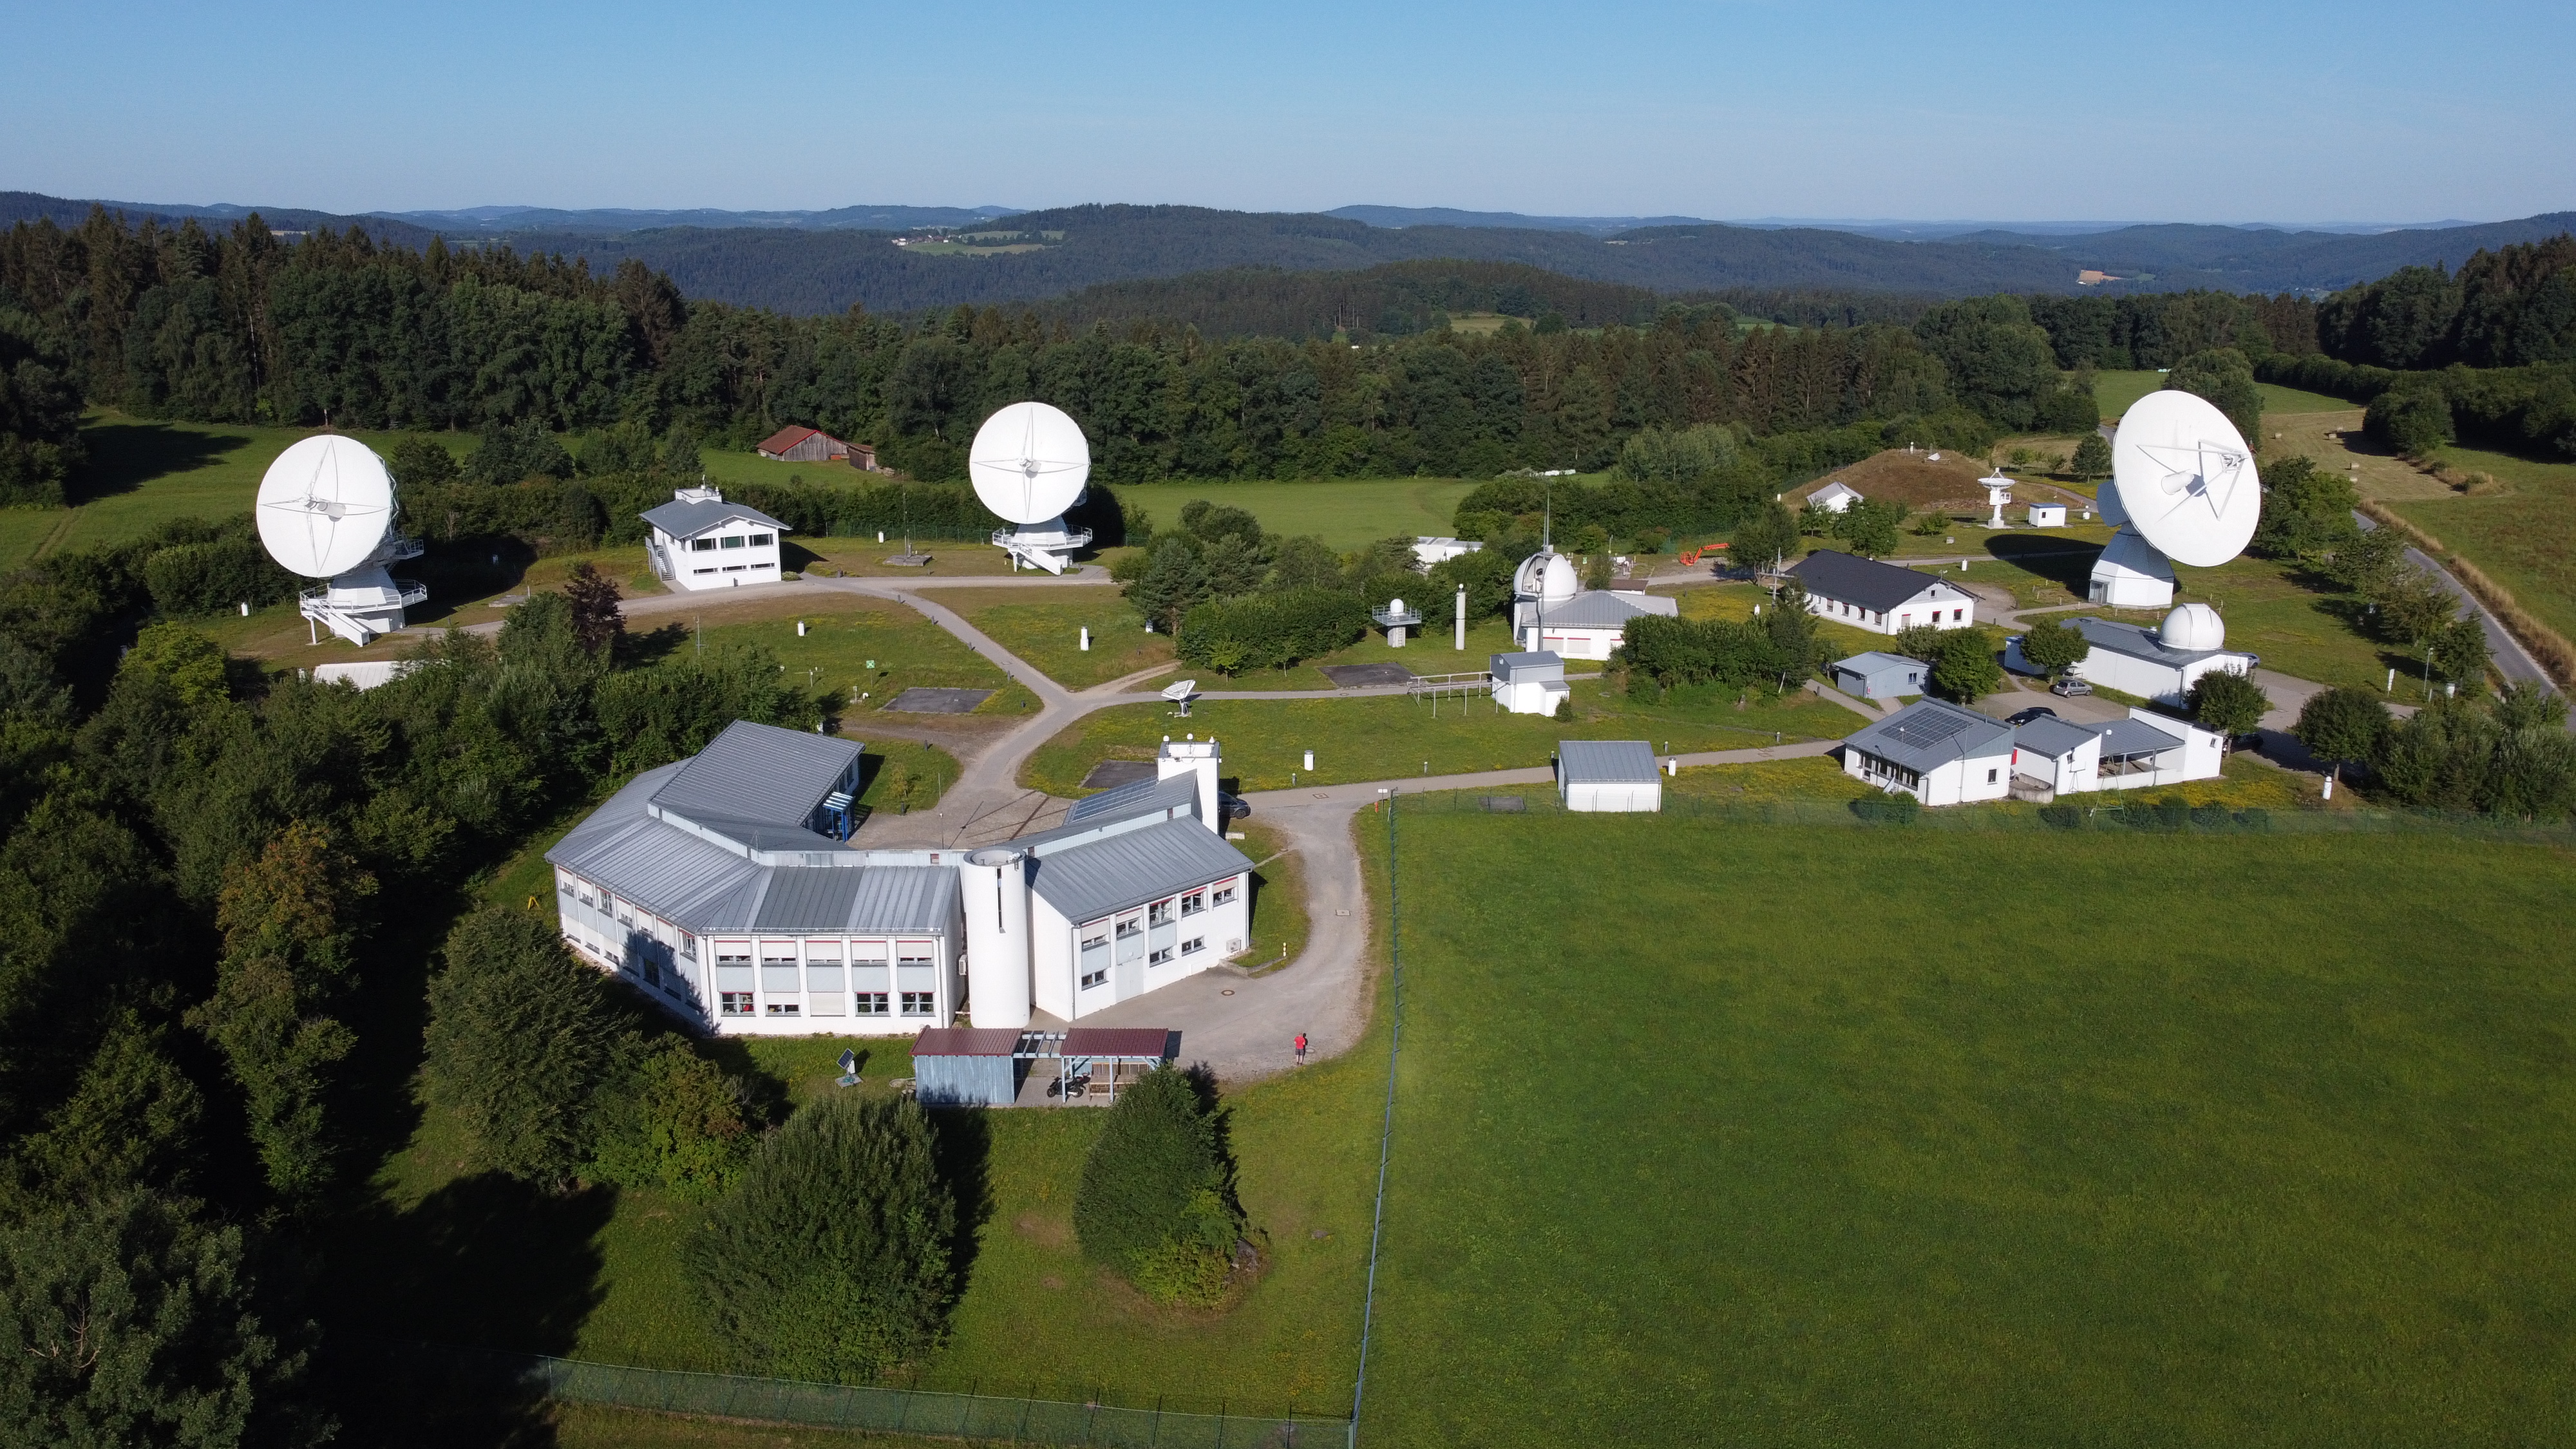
[(221, 895)]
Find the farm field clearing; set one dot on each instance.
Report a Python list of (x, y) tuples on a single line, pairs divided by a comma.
[(1393, 736), (2259, 1148), (2115, 392), (2523, 535), (1345, 513)]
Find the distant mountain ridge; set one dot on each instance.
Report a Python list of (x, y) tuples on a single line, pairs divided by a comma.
[(826, 261)]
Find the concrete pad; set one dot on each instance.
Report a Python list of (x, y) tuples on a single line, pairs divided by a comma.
[(1366, 676), (922, 700), (1110, 774)]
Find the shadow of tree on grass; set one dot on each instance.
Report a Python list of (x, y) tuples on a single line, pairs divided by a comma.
[(125, 456)]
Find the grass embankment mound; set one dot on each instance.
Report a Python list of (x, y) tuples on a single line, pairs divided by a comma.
[(2026, 1139)]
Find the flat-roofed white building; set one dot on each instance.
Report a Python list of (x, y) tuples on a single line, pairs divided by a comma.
[(2146, 749), (1608, 776), (1530, 683), (699, 541), (1880, 597)]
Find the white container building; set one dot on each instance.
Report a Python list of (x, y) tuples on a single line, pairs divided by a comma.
[(1608, 776)]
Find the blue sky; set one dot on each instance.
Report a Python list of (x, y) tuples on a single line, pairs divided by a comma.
[(2183, 112)]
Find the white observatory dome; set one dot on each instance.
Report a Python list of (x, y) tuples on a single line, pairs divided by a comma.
[(2194, 627), (1546, 577)]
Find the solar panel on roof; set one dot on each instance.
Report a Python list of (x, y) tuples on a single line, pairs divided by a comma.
[(1927, 729)]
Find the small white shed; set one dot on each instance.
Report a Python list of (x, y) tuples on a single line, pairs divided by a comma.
[(1529, 683), (2048, 515), (1607, 776), (1834, 497)]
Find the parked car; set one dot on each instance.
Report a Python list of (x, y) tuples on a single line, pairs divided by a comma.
[(2025, 716), (1233, 807), (2070, 687)]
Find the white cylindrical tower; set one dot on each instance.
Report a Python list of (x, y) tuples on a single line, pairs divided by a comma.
[(1462, 616), (995, 883)]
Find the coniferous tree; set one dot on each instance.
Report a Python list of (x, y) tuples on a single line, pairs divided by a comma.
[(1156, 1203), (830, 1261), (521, 1036)]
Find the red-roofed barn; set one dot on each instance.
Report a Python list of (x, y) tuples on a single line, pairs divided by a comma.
[(803, 445)]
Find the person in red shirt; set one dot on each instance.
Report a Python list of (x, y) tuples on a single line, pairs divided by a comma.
[(1301, 1049)]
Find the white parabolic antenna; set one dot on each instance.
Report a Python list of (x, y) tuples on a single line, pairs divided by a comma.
[(324, 506), (1029, 462), (2185, 478), (1181, 691)]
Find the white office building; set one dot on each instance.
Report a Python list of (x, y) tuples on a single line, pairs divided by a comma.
[(699, 541), (1880, 597), (724, 888), (1939, 753)]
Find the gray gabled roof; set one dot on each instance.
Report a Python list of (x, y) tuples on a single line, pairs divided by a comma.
[(1122, 871), (1136, 797), (668, 871), (2141, 643), (1873, 661), (1928, 734), (2052, 737), (1605, 762), (1598, 609), (1875, 586), (758, 775), (683, 519)]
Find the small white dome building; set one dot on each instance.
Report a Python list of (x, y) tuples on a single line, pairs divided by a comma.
[(2193, 627), (1547, 577), (1553, 613)]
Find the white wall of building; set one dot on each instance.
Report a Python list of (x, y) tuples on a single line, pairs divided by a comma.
[(1941, 605), (1089, 966), (1955, 782), (2146, 678), (1532, 696), (1613, 798), (705, 560)]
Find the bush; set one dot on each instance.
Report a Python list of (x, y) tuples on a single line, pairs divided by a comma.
[(2062, 817), (672, 1120), (1966, 670), (209, 578), (1157, 1196), (2413, 419), (2228, 702), (831, 1261), (1565, 708), (2226, 379), (1271, 631)]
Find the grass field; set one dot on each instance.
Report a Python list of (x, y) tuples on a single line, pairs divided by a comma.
[(2523, 536), (1383, 737), (2115, 391), (844, 634), (1344, 513), (1279, 919), (2248, 1141), (1046, 630)]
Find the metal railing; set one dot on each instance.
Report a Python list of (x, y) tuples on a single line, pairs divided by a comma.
[(1072, 538), (1161, 1422)]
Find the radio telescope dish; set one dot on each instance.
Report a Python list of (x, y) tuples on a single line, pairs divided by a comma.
[(1029, 462), (324, 505), (1181, 691), (2185, 478)]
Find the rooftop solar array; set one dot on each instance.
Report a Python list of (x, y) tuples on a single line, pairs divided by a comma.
[(1926, 729)]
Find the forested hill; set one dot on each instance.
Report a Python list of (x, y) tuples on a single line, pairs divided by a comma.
[(18, 206), (2241, 259), (809, 272)]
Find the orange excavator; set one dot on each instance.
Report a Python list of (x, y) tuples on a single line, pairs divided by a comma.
[(1691, 556)]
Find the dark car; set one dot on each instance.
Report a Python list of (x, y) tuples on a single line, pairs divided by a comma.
[(2069, 687), (1233, 807), (2023, 717)]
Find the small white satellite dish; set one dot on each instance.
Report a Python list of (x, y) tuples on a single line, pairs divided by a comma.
[(1029, 462), (1181, 691), (2186, 479), (324, 505)]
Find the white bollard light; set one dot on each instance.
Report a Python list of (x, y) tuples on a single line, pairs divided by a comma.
[(1310, 759), (800, 628), (880, 535), (1086, 638), (245, 611)]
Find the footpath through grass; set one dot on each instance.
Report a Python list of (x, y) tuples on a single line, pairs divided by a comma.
[(2027, 1139)]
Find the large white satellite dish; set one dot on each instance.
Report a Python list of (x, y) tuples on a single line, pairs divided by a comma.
[(1029, 462), (2186, 479), (324, 506)]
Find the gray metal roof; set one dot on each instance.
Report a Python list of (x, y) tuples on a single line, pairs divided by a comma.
[(757, 774), (666, 870), (1540, 664), (1597, 609), (682, 519), (2052, 737), (2141, 643), (2124, 738), (867, 900), (1605, 762), (1929, 733), (1872, 661), (1122, 871), (1134, 797), (1876, 586)]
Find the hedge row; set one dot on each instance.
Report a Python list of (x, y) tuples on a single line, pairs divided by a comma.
[(1271, 631)]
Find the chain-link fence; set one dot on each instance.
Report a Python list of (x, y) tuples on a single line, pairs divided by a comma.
[(2145, 811), (1019, 1413)]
